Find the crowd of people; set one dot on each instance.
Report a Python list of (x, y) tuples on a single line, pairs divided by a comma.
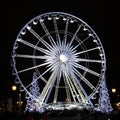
[(59, 115), (8, 113)]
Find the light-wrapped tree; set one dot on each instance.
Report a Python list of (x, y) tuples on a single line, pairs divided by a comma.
[(32, 104), (104, 104)]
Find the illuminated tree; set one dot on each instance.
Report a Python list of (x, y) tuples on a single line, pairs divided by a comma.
[(104, 104), (31, 104)]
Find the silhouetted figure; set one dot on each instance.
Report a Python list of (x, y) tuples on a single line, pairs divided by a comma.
[(44, 116)]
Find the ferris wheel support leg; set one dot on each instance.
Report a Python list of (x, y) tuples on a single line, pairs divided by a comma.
[(47, 89), (86, 100)]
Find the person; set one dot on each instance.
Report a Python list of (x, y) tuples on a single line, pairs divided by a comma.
[(44, 116)]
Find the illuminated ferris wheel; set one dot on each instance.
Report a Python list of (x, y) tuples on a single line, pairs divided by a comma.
[(67, 56)]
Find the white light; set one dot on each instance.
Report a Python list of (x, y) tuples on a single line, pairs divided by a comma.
[(63, 57), (64, 19), (49, 18), (71, 21), (41, 20), (95, 41), (90, 34), (35, 22), (28, 27), (84, 29)]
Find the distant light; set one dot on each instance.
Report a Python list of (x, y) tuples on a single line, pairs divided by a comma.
[(113, 90), (14, 87), (96, 104), (19, 102), (118, 105)]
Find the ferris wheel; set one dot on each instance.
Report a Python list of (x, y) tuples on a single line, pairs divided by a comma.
[(67, 56)]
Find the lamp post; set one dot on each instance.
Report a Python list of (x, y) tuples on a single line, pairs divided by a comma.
[(14, 89), (19, 102), (114, 97)]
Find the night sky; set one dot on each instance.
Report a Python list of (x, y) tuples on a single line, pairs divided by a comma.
[(93, 12)]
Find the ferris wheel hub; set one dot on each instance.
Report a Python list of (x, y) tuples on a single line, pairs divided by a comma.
[(63, 57)]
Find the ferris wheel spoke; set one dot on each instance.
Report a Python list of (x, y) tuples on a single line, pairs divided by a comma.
[(57, 87), (83, 78), (76, 46), (33, 46), (72, 86), (40, 76), (72, 93), (48, 85), (39, 38), (53, 65), (49, 91), (86, 69), (74, 78), (89, 35), (85, 51), (74, 36), (89, 60), (56, 29), (81, 42), (83, 94), (30, 68), (47, 33), (66, 30), (67, 89), (75, 90), (30, 56)]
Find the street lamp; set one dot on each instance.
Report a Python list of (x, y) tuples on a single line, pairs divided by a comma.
[(113, 90), (19, 102), (14, 87)]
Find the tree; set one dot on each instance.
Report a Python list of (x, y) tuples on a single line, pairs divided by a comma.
[(32, 104), (104, 104)]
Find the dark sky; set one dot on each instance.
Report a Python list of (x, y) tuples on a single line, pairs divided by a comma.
[(93, 12)]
